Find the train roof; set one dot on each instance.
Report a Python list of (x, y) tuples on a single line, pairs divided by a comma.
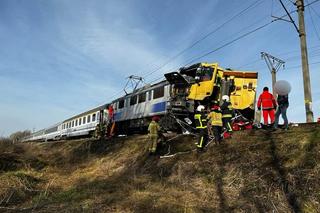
[(141, 89), (104, 106)]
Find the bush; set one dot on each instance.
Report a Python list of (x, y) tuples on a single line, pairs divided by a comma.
[(18, 136)]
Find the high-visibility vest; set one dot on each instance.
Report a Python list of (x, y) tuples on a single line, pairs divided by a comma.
[(226, 110), (215, 118), (200, 121), (153, 128)]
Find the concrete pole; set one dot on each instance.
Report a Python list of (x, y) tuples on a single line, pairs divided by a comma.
[(305, 64), (274, 80)]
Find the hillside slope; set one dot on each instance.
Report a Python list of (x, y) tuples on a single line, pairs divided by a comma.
[(255, 171)]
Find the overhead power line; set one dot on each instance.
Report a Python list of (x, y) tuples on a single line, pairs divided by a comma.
[(229, 43), (256, 3), (311, 3), (222, 46), (239, 31), (315, 12), (314, 26)]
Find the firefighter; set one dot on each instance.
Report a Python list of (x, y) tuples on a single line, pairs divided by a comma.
[(201, 126), (215, 117), (227, 114), (110, 113), (153, 130), (268, 103)]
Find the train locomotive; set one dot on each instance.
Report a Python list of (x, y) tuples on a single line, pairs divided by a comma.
[(174, 98)]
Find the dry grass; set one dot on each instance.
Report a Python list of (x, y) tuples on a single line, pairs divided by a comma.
[(255, 171)]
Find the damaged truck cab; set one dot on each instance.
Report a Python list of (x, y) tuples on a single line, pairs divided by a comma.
[(204, 83)]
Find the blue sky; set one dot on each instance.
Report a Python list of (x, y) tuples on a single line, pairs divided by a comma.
[(59, 58)]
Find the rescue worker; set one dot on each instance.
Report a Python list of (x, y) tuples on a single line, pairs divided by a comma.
[(227, 114), (215, 117), (110, 113), (201, 125), (153, 130), (268, 104), (283, 104)]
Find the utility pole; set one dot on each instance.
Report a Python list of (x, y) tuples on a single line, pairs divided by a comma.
[(273, 64), (304, 57), (305, 64)]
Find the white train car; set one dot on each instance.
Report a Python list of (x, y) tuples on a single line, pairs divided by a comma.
[(131, 112), (84, 123)]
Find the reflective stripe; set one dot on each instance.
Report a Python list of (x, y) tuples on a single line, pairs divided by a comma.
[(230, 128), (227, 116), (201, 140), (201, 121)]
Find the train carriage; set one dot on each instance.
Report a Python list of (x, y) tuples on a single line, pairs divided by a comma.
[(178, 95)]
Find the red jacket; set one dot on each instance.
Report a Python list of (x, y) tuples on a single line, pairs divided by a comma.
[(267, 101)]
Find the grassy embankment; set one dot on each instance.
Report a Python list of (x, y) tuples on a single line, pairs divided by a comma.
[(255, 171)]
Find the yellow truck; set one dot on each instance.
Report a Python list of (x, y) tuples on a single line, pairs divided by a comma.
[(203, 83)]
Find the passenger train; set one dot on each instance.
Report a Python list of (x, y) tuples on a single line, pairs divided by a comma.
[(131, 112), (181, 90)]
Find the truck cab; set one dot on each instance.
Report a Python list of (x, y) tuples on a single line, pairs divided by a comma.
[(203, 83)]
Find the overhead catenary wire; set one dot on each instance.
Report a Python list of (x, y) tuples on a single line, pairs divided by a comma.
[(312, 22), (203, 37), (311, 3), (279, 18), (278, 54), (254, 4), (226, 44), (315, 12)]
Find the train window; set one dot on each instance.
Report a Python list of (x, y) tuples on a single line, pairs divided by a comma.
[(84, 120), (133, 100), (76, 122), (158, 92), (79, 121), (142, 98), (88, 119), (150, 95), (98, 116), (94, 117), (121, 104), (250, 85), (72, 123)]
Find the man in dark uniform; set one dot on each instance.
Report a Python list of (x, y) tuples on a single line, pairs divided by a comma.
[(227, 114), (201, 125)]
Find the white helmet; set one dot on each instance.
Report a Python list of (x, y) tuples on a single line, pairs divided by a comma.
[(225, 98), (200, 108)]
